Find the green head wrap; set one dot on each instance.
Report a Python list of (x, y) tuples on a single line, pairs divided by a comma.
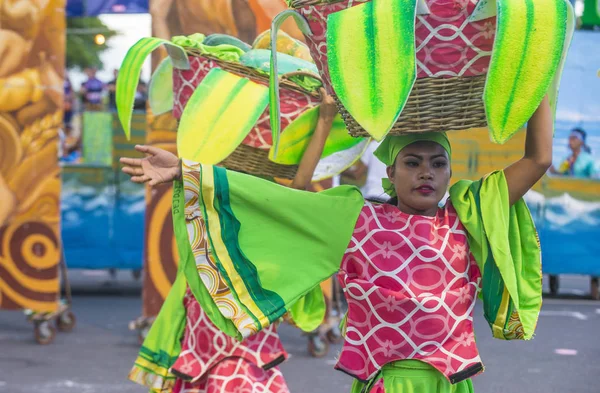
[(392, 145)]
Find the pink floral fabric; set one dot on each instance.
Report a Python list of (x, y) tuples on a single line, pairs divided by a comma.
[(211, 361), (411, 285)]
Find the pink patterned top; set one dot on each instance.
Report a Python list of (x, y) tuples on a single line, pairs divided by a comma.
[(411, 285), (204, 346)]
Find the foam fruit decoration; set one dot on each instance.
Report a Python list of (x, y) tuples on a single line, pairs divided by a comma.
[(297, 135), (218, 116), (275, 108), (372, 64), (160, 91), (285, 44), (531, 39), (225, 39), (131, 68)]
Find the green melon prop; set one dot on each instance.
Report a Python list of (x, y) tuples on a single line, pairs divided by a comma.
[(131, 69), (372, 64), (218, 116), (275, 108), (527, 53), (160, 91), (553, 93), (297, 135)]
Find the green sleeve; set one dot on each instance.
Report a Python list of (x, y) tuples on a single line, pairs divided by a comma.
[(162, 346), (504, 242), (269, 245), (193, 261)]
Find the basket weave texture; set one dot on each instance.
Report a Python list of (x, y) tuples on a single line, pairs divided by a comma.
[(252, 155), (256, 162), (452, 55)]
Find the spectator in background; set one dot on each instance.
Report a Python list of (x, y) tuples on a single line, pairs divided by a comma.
[(68, 102), (112, 88), (580, 162), (141, 96), (92, 90)]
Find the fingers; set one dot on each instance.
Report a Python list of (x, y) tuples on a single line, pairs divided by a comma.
[(322, 93), (148, 149), (140, 179), (131, 161), (133, 171), (141, 148)]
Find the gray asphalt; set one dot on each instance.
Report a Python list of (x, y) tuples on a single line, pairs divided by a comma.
[(564, 357)]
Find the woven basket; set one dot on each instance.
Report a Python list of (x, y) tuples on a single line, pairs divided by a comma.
[(250, 159), (446, 96), (256, 162), (435, 104), (252, 74)]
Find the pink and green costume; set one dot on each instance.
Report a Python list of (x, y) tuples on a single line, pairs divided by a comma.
[(411, 281)]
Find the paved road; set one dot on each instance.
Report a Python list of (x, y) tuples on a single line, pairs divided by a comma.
[(564, 357)]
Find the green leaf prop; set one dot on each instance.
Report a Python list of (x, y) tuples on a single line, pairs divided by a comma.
[(371, 57), (131, 69), (297, 135), (530, 40), (160, 91), (275, 109), (218, 116)]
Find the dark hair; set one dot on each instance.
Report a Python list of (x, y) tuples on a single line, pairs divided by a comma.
[(583, 134)]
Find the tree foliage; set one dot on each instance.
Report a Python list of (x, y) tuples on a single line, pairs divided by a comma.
[(82, 50)]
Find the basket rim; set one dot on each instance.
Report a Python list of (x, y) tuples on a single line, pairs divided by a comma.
[(239, 158), (252, 73), (306, 3)]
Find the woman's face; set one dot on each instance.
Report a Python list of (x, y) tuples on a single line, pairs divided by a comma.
[(575, 142), (420, 175)]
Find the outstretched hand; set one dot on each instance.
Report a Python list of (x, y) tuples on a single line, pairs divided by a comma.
[(159, 166)]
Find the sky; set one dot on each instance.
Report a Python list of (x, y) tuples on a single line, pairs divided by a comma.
[(131, 27)]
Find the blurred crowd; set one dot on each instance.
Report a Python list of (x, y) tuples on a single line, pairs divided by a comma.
[(94, 94)]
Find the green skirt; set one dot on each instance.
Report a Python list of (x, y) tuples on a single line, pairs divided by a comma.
[(411, 376)]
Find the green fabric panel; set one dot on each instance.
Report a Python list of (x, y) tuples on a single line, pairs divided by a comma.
[(504, 236), (230, 227), (187, 264), (413, 376), (162, 345), (295, 239), (308, 313)]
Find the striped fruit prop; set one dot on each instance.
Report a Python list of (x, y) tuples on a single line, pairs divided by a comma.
[(372, 65), (218, 116), (532, 38), (511, 49), (220, 97), (339, 153), (299, 115)]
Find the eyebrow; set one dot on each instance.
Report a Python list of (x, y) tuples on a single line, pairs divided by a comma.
[(421, 157)]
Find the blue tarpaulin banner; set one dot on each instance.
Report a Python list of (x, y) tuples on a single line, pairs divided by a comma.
[(77, 8)]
